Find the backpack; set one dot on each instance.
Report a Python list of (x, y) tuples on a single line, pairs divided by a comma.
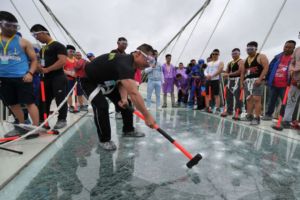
[(80, 68)]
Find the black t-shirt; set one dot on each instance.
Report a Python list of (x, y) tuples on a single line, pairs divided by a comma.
[(51, 57), (117, 51), (110, 67)]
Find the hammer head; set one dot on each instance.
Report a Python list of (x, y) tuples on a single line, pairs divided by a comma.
[(223, 115), (194, 161), (55, 132), (274, 126)]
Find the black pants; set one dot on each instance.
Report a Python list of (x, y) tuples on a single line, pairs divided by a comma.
[(55, 87), (100, 108), (180, 94)]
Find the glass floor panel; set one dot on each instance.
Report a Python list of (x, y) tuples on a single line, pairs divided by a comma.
[(239, 162)]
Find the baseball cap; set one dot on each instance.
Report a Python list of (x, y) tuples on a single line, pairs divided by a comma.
[(201, 61), (89, 55)]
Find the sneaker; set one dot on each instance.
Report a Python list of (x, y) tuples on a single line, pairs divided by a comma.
[(175, 105), (164, 105), (267, 118), (248, 118), (28, 121), (158, 108), (71, 109), (213, 108), (239, 116), (17, 131), (148, 108), (206, 109), (118, 115), (133, 133), (286, 124), (255, 121), (86, 106), (61, 123), (83, 108), (108, 145), (218, 111), (190, 106), (183, 105)]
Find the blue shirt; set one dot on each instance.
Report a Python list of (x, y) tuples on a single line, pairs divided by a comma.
[(18, 62)]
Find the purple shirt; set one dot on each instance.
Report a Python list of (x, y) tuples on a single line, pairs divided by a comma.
[(182, 72), (171, 74), (184, 83)]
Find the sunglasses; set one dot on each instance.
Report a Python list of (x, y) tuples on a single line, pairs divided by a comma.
[(10, 25), (34, 34)]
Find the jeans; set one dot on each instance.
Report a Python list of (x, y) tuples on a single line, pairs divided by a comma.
[(153, 85), (274, 93)]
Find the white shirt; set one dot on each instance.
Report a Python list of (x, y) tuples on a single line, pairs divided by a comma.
[(211, 69)]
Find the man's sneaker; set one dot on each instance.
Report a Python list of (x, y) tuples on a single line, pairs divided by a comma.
[(175, 105), (148, 108), (86, 106), (133, 133), (183, 105), (71, 109), (158, 108), (83, 108), (61, 123), (17, 131), (228, 112), (190, 106), (218, 111), (108, 145), (28, 121), (255, 121), (164, 105), (285, 124), (238, 117), (248, 118), (267, 118), (118, 115), (206, 109)]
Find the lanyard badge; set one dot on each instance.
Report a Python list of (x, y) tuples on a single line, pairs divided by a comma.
[(43, 53), (5, 58)]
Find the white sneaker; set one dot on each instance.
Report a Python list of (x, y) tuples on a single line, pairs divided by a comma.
[(148, 108), (158, 108)]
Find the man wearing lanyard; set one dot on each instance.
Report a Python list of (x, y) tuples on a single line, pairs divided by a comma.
[(122, 45), (255, 68), (15, 74), (212, 72), (54, 56), (233, 73)]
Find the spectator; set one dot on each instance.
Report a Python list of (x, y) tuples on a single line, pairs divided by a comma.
[(212, 73), (256, 67), (90, 56), (183, 83), (77, 55), (15, 74), (277, 77), (155, 80), (69, 71), (294, 73), (54, 56), (122, 45), (168, 85), (181, 70)]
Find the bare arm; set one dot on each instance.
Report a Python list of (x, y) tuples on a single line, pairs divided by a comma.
[(292, 68), (29, 51), (265, 64), (62, 59), (129, 86)]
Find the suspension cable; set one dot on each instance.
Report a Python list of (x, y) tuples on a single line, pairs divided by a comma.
[(214, 29), (45, 20), (24, 22), (278, 14), (176, 41), (191, 33)]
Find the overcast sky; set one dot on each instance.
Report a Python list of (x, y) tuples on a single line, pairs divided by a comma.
[(96, 24)]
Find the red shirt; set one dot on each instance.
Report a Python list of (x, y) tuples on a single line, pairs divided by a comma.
[(281, 75), (138, 76), (69, 66)]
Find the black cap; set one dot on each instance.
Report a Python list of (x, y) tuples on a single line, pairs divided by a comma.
[(70, 47)]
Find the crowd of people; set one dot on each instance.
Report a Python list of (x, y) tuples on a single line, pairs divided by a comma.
[(28, 74)]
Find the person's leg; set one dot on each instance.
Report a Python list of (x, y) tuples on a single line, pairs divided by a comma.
[(192, 95), (60, 91), (173, 98), (157, 87), (238, 102), (79, 95), (165, 99), (34, 113), (229, 97), (18, 112), (216, 91), (70, 86), (179, 96), (257, 102), (274, 93), (217, 99), (290, 104), (150, 88)]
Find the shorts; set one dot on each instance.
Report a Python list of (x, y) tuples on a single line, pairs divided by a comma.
[(215, 87), (258, 90), (71, 85), (15, 91)]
